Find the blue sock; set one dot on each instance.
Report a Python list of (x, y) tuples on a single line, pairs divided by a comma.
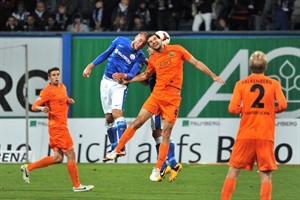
[(171, 154), (121, 125), (112, 136)]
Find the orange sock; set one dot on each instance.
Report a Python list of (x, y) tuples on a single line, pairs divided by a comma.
[(127, 135), (44, 162), (266, 191), (163, 152), (73, 171), (228, 188)]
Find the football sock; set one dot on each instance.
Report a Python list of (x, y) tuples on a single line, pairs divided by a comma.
[(266, 191), (127, 135), (163, 151), (112, 135), (158, 141), (171, 154), (73, 172), (228, 188), (44, 162), (121, 125)]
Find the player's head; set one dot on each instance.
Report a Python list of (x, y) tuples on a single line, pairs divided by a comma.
[(154, 41), (258, 62), (54, 75), (139, 41)]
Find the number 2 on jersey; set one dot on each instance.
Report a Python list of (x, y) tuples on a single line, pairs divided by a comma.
[(257, 103)]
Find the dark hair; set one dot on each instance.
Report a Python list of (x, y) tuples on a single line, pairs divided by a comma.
[(52, 69), (150, 35)]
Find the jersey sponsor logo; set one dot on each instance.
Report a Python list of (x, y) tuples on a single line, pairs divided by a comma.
[(123, 56), (165, 63)]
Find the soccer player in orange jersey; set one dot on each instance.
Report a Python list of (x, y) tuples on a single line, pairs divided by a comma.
[(254, 97), (55, 101), (167, 63)]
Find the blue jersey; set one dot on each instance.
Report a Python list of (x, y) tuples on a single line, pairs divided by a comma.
[(121, 58)]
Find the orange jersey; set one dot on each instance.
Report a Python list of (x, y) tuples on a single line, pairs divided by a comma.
[(254, 97), (168, 66), (56, 98)]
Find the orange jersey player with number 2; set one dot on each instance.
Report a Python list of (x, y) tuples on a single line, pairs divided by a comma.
[(254, 97), (167, 61), (55, 101)]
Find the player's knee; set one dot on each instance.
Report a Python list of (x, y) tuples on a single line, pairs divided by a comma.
[(58, 159)]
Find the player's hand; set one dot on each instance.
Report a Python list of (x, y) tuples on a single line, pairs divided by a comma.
[(71, 101), (45, 109), (87, 71), (219, 80), (119, 77)]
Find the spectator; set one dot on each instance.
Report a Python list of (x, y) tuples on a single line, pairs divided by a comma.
[(41, 15), (20, 14), (120, 24), (256, 8), (52, 24), (30, 24), (78, 25), (281, 20), (165, 15), (120, 13), (6, 8), (142, 14), (239, 19), (221, 25), (62, 18), (97, 16), (202, 12), (12, 24), (138, 24)]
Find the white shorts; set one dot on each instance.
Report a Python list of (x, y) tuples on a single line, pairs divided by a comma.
[(112, 95)]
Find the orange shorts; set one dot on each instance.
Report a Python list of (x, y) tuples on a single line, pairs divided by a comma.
[(246, 152), (60, 139), (166, 104)]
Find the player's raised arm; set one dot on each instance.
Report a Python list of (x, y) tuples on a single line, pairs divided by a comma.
[(202, 67)]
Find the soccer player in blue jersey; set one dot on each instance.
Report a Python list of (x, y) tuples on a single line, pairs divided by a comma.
[(125, 57)]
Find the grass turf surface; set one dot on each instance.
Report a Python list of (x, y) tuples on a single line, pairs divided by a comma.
[(131, 181)]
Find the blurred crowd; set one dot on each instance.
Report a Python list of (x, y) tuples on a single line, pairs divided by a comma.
[(143, 15)]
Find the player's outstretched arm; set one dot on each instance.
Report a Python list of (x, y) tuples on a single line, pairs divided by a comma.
[(202, 67), (87, 71)]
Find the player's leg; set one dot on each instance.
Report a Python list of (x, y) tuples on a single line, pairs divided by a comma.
[(118, 99), (156, 134), (142, 117), (111, 130), (73, 172), (242, 157), (229, 183), (266, 185), (266, 164), (106, 102), (44, 162), (174, 165), (163, 151)]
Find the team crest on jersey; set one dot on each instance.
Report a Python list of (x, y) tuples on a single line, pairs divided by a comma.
[(132, 56), (171, 54)]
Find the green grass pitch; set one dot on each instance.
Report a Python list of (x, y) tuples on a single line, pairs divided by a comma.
[(131, 181)]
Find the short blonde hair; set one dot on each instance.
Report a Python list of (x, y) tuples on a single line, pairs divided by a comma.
[(258, 62)]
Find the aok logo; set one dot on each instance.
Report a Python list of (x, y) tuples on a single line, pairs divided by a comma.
[(288, 74)]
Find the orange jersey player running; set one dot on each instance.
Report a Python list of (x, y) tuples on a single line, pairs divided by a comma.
[(167, 61), (54, 100), (254, 97)]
